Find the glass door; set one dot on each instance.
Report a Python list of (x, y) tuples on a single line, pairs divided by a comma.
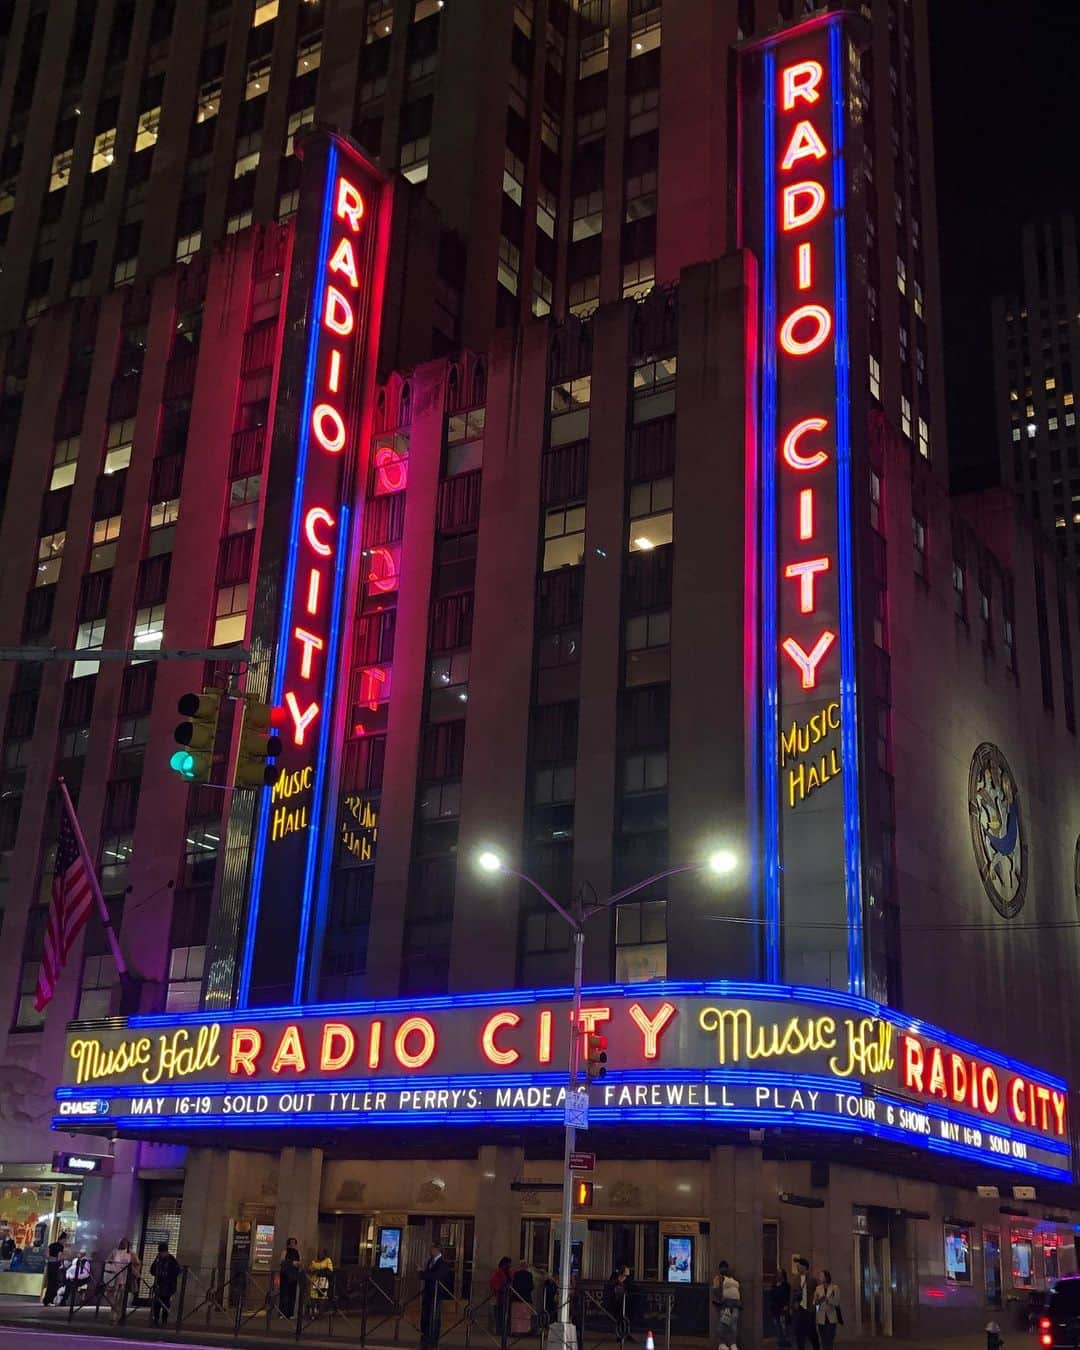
[(992, 1267)]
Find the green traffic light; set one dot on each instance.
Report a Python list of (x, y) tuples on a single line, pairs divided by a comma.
[(183, 763)]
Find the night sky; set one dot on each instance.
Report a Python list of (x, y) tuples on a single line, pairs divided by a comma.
[(1006, 84)]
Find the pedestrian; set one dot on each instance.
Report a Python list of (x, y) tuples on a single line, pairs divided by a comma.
[(54, 1266), (121, 1268), (727, 1298), (521, 1308), (549, 1297), (827, 1309), (321, 1274), (617, 1294), (77, 1275), (289, 1278), (435, 1285), (780, 1308), (803, 1317), (499, 1284), (165, 1272)]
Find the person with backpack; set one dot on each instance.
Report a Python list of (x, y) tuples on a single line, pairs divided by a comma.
[(165, 1272)]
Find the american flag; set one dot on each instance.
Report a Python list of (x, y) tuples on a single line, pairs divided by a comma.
[(72, 901)]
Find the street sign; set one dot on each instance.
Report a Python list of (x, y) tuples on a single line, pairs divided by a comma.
[(577, 1110), (582, 1162)]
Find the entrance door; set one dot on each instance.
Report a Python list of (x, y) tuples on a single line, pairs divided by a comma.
[(455, 1236), (992, 1267), (873, 1274)]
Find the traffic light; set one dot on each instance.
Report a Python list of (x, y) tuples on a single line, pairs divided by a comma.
[(258, 744), (595, 1056), (197, 735), (583, 1194)]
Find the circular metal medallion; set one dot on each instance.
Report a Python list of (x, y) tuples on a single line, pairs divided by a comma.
[(997, 830)]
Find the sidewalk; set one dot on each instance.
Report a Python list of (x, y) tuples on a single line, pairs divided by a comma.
[(30, 1316)]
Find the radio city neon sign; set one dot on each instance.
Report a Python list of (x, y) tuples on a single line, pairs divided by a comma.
[(804, 331), (339, 324)]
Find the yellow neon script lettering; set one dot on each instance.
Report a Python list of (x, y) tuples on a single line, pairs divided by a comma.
[(798, 739), (92, 1061), (869, 1048), (290, 820), (804, 779), (179, 1056), (739, 1036)]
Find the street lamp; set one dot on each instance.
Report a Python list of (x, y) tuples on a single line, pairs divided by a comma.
[(721, 862)]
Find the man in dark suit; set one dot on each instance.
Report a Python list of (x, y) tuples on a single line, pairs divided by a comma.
[(803, 1313), (436, 1280)]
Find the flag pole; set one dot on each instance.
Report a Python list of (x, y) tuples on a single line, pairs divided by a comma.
[(95, 886)]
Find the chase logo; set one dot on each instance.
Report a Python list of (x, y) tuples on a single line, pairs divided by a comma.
[(99, 1107)]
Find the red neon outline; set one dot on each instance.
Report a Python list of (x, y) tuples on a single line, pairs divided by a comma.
[(805, 143), (385, 457), (492, 1053), (795, 87), (792, 217), (543, 1038), (791, 453), (331, 1063), (794, 346), (591, 1016), (338, 314), (804, 255), (344, 262), (311, 643), (806, 571), (319, 414), (316, 515), (314, 583), (290, 1053), (333, 378), (651, 1027), (404, 1056), (807, 662), (806, 513), (301, 720), (245, 1046), (350, 204), (371, 679), (374, 1054), (389, 580)]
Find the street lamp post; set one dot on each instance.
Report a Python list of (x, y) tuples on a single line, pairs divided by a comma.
[(564, 1333)]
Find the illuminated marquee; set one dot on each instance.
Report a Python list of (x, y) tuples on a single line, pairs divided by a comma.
[(794, 117), (335, 292), (726, 1054)]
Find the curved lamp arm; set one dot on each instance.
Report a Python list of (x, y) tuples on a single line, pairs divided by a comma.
[(641, 885)]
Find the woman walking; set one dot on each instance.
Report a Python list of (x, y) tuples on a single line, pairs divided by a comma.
[(121, 1269), (827, 1310)]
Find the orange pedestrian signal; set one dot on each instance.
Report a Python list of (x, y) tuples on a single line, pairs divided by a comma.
[(583, 1194)]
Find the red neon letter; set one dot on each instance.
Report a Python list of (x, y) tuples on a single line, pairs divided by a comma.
[(290, 1051), (937, 1074), (374, 1052), (991, 1089), (391, 470), (344, 261), (913, 1064), (818, 315), (318, 516), (958, 1078), (331, 1059), (314, 580), (300, 719), (372, 680), (244, 1046), (1057, 1101), (805, 255), (651, 1027), (487, 1038), (333, 376), (592, 1017), (795, 435), (350, 205), (807, 662), (1016, 1100), (805, 571), (806, 513), (338, 315), (421, 1027), (794, 218), (333, 441), (543, 1038), (386, 580), (801, 81), (311, 644), (805, 143)]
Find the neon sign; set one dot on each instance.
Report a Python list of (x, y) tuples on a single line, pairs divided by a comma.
[(724, 1053), (335, 282), (795, 87)]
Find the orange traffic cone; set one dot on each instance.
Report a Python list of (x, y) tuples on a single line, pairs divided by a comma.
[(650, 1344)]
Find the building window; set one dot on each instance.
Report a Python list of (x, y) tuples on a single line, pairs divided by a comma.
[(238, 222), (149, 627), (639, 277), (230, 614), (413, 160), (654, 388), (641, 941), (119, 440), (560, 648), (65, 463), (465, 441), (104, 148), (95, 992), (918, 294), (184, 990), (288, 204), (875, 378), (244, 503), (258, 78), (901, 276), (60, 174), (959, 585), (509, 264), (918, 542), (924, 438), (208, 103), (587, 215), (640, 196), (247, 161), (27, 1018), (448, 686), (542, 293), (648, 631), (546, 210), (570, 411), (645, 31), (188, 245), (645, 772), (309, 55), (584, 296), (50, 554), (105, 534), (163, 514), (513, 176), (875, 500), (905, 415), (593, 53), (265, 10), (146, 132), (303, 118), (564, 537), (651, 515)]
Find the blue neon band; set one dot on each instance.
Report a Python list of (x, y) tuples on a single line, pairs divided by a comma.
[(258, 859)]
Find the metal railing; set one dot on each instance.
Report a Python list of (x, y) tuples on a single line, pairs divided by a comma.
[(360, 1307)]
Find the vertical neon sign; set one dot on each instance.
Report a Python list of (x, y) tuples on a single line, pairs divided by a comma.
[(812, 867), (338, 285)]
